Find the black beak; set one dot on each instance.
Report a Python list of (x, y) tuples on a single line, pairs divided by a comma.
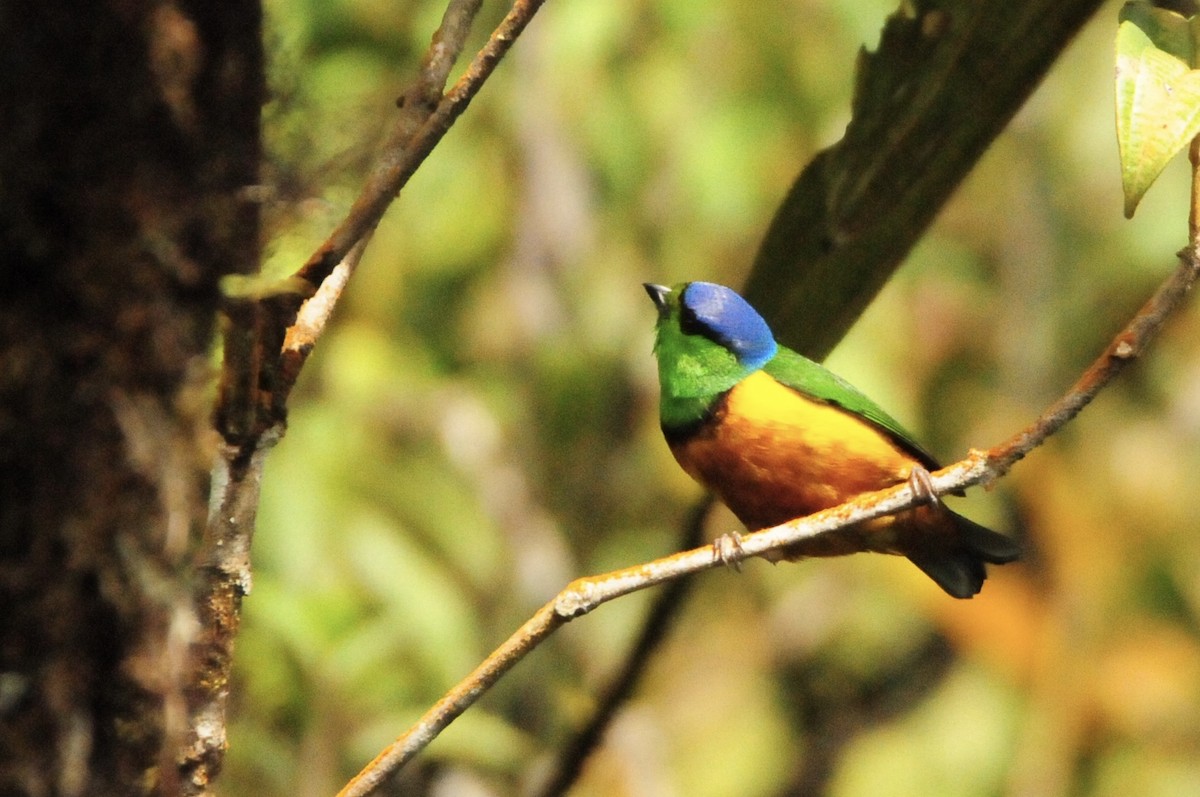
[(658, 294)]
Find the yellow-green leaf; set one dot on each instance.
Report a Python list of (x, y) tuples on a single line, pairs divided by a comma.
[(1157, 97)]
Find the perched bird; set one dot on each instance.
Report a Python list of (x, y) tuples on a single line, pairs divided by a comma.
[(777, 436)]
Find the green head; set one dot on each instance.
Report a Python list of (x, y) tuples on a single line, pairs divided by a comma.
[(707, 339)]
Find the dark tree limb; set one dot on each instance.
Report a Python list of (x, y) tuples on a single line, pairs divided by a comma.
[(831, 707), (128, 134), (947, 77)]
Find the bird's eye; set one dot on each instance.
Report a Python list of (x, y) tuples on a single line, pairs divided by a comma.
[(690, 324)]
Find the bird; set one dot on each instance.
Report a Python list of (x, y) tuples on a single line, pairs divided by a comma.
[(777, 436)]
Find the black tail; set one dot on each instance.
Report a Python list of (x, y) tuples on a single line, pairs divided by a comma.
[(959, 569)]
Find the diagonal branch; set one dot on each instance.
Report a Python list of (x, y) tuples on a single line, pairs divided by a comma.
[(586, 594), (654, 629), (408, 149), (269, 332)]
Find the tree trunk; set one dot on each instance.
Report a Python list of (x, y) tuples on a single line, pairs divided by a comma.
[(129, 143)]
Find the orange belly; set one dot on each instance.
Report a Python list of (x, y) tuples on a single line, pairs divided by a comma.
[(773, 455)]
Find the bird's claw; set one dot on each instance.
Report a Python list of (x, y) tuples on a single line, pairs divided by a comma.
[(920, 482), (728, 550)]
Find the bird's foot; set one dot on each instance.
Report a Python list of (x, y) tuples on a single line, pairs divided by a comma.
[(728, 550), (920, 482)]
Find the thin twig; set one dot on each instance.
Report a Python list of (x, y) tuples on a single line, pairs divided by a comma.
[(1124, 348), (315, 313), (427, 115), (544, 622), (585, 594), (654, 631), (269, 336), (265, 347), (1194, 207), (337, 258), (399, 164)]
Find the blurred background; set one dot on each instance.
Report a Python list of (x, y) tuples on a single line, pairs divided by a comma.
[(479, 427)]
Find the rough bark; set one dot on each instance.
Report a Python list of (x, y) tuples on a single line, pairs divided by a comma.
[(129, 133)]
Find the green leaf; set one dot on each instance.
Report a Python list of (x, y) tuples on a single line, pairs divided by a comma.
[(1158, 94)]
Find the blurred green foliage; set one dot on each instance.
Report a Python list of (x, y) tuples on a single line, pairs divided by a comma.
[(479, 426)]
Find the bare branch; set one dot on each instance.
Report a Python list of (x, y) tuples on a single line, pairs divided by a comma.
[(654, 630), (426, 116), (410, 142), (402, 157), (315, 313), (1125, 347), (270, 331), (544, 622), (583, 595), (223, 579)]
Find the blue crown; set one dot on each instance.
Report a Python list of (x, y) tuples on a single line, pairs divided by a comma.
[(726, 318)]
